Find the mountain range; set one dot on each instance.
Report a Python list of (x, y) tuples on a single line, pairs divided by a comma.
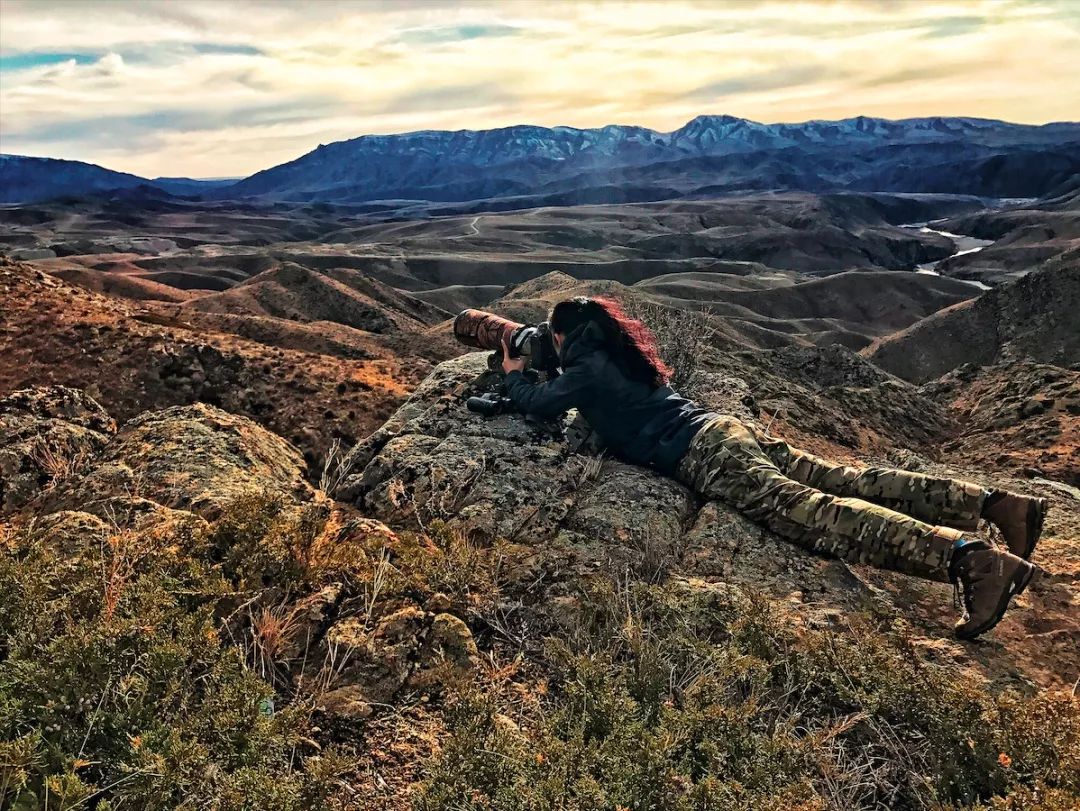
[(520, 166)]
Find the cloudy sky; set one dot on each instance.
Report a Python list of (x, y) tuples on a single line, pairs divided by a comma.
[(226, 87)]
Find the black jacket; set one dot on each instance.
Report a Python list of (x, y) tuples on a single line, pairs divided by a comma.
[(640, 423)]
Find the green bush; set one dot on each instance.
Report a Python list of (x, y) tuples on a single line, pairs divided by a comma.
[(118, 691), (447, 560), (128, 680), (664, 698), (261, 541)]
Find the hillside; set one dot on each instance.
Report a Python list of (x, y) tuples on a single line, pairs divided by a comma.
[(482, 612), (343, 297), (226, 265), (1033, 317), (30, 180), (27, 180), (270, 370), (445, 606)]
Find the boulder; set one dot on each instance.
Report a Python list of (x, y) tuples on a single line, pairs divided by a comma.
[(46, 435), (433, 459), (196, 458), (409, 648)]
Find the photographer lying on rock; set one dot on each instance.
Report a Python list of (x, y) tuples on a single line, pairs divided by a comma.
[(892, 519)]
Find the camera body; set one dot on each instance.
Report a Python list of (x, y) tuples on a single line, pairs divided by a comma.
[(533, 342)]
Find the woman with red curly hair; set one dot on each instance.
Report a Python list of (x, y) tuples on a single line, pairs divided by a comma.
[(894, 519)]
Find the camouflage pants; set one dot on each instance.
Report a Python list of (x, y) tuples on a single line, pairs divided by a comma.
[(888, 518)]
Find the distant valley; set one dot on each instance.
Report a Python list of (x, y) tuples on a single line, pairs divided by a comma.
[(357, 255)]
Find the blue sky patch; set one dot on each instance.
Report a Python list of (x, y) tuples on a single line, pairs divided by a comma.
[(456, 33), (38, 59), (131, 53)]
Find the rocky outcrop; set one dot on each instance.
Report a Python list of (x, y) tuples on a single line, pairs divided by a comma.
[(172, 474), (196, 458), (1022, 415), (576, 518), (69, 474), (506, 477), (59, 446), (46, 435)]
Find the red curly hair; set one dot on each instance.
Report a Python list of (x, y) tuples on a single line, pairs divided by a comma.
[(628, 341)]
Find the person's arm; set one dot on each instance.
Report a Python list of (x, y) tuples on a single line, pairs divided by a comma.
[(547, 400)]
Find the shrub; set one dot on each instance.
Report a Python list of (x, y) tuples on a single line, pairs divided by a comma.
[(447, 559), (263, 542), (118, 691), (664, 698)]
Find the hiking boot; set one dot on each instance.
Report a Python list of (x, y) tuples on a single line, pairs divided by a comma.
[(1019, 518), (990, 578)]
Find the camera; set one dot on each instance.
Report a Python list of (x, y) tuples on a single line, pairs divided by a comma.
[(533, 342), (490, 404)]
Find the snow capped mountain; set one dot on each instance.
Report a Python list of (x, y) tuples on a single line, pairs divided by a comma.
[(710, 154), (704, 135), (530, 160)]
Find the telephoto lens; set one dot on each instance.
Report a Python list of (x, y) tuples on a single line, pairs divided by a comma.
[(533, 342), (483, 330)]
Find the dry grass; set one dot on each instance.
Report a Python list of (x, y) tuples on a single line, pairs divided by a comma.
[(122, 552), (380, 574), (59, 463), (272, 629), (684, 337), (337, 465)]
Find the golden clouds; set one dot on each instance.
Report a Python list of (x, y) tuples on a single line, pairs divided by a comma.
[(226, 88)]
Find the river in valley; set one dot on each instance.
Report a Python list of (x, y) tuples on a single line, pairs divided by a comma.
[(964, 245)]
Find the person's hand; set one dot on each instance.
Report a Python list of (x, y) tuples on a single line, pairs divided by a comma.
[(510, 364)]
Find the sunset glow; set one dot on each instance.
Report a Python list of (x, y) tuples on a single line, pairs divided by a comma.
[(210, 89)]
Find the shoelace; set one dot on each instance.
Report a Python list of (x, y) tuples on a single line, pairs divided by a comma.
[(959, 603), (997, 537)]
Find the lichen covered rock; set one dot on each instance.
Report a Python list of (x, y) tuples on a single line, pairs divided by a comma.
[(196, 458), (46, 435), (506, 477)]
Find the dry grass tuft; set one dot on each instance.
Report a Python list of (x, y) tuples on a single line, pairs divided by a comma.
[(59, 463)]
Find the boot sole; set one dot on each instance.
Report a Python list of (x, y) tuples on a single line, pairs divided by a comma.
[(1017, 583), (1035, 518)]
